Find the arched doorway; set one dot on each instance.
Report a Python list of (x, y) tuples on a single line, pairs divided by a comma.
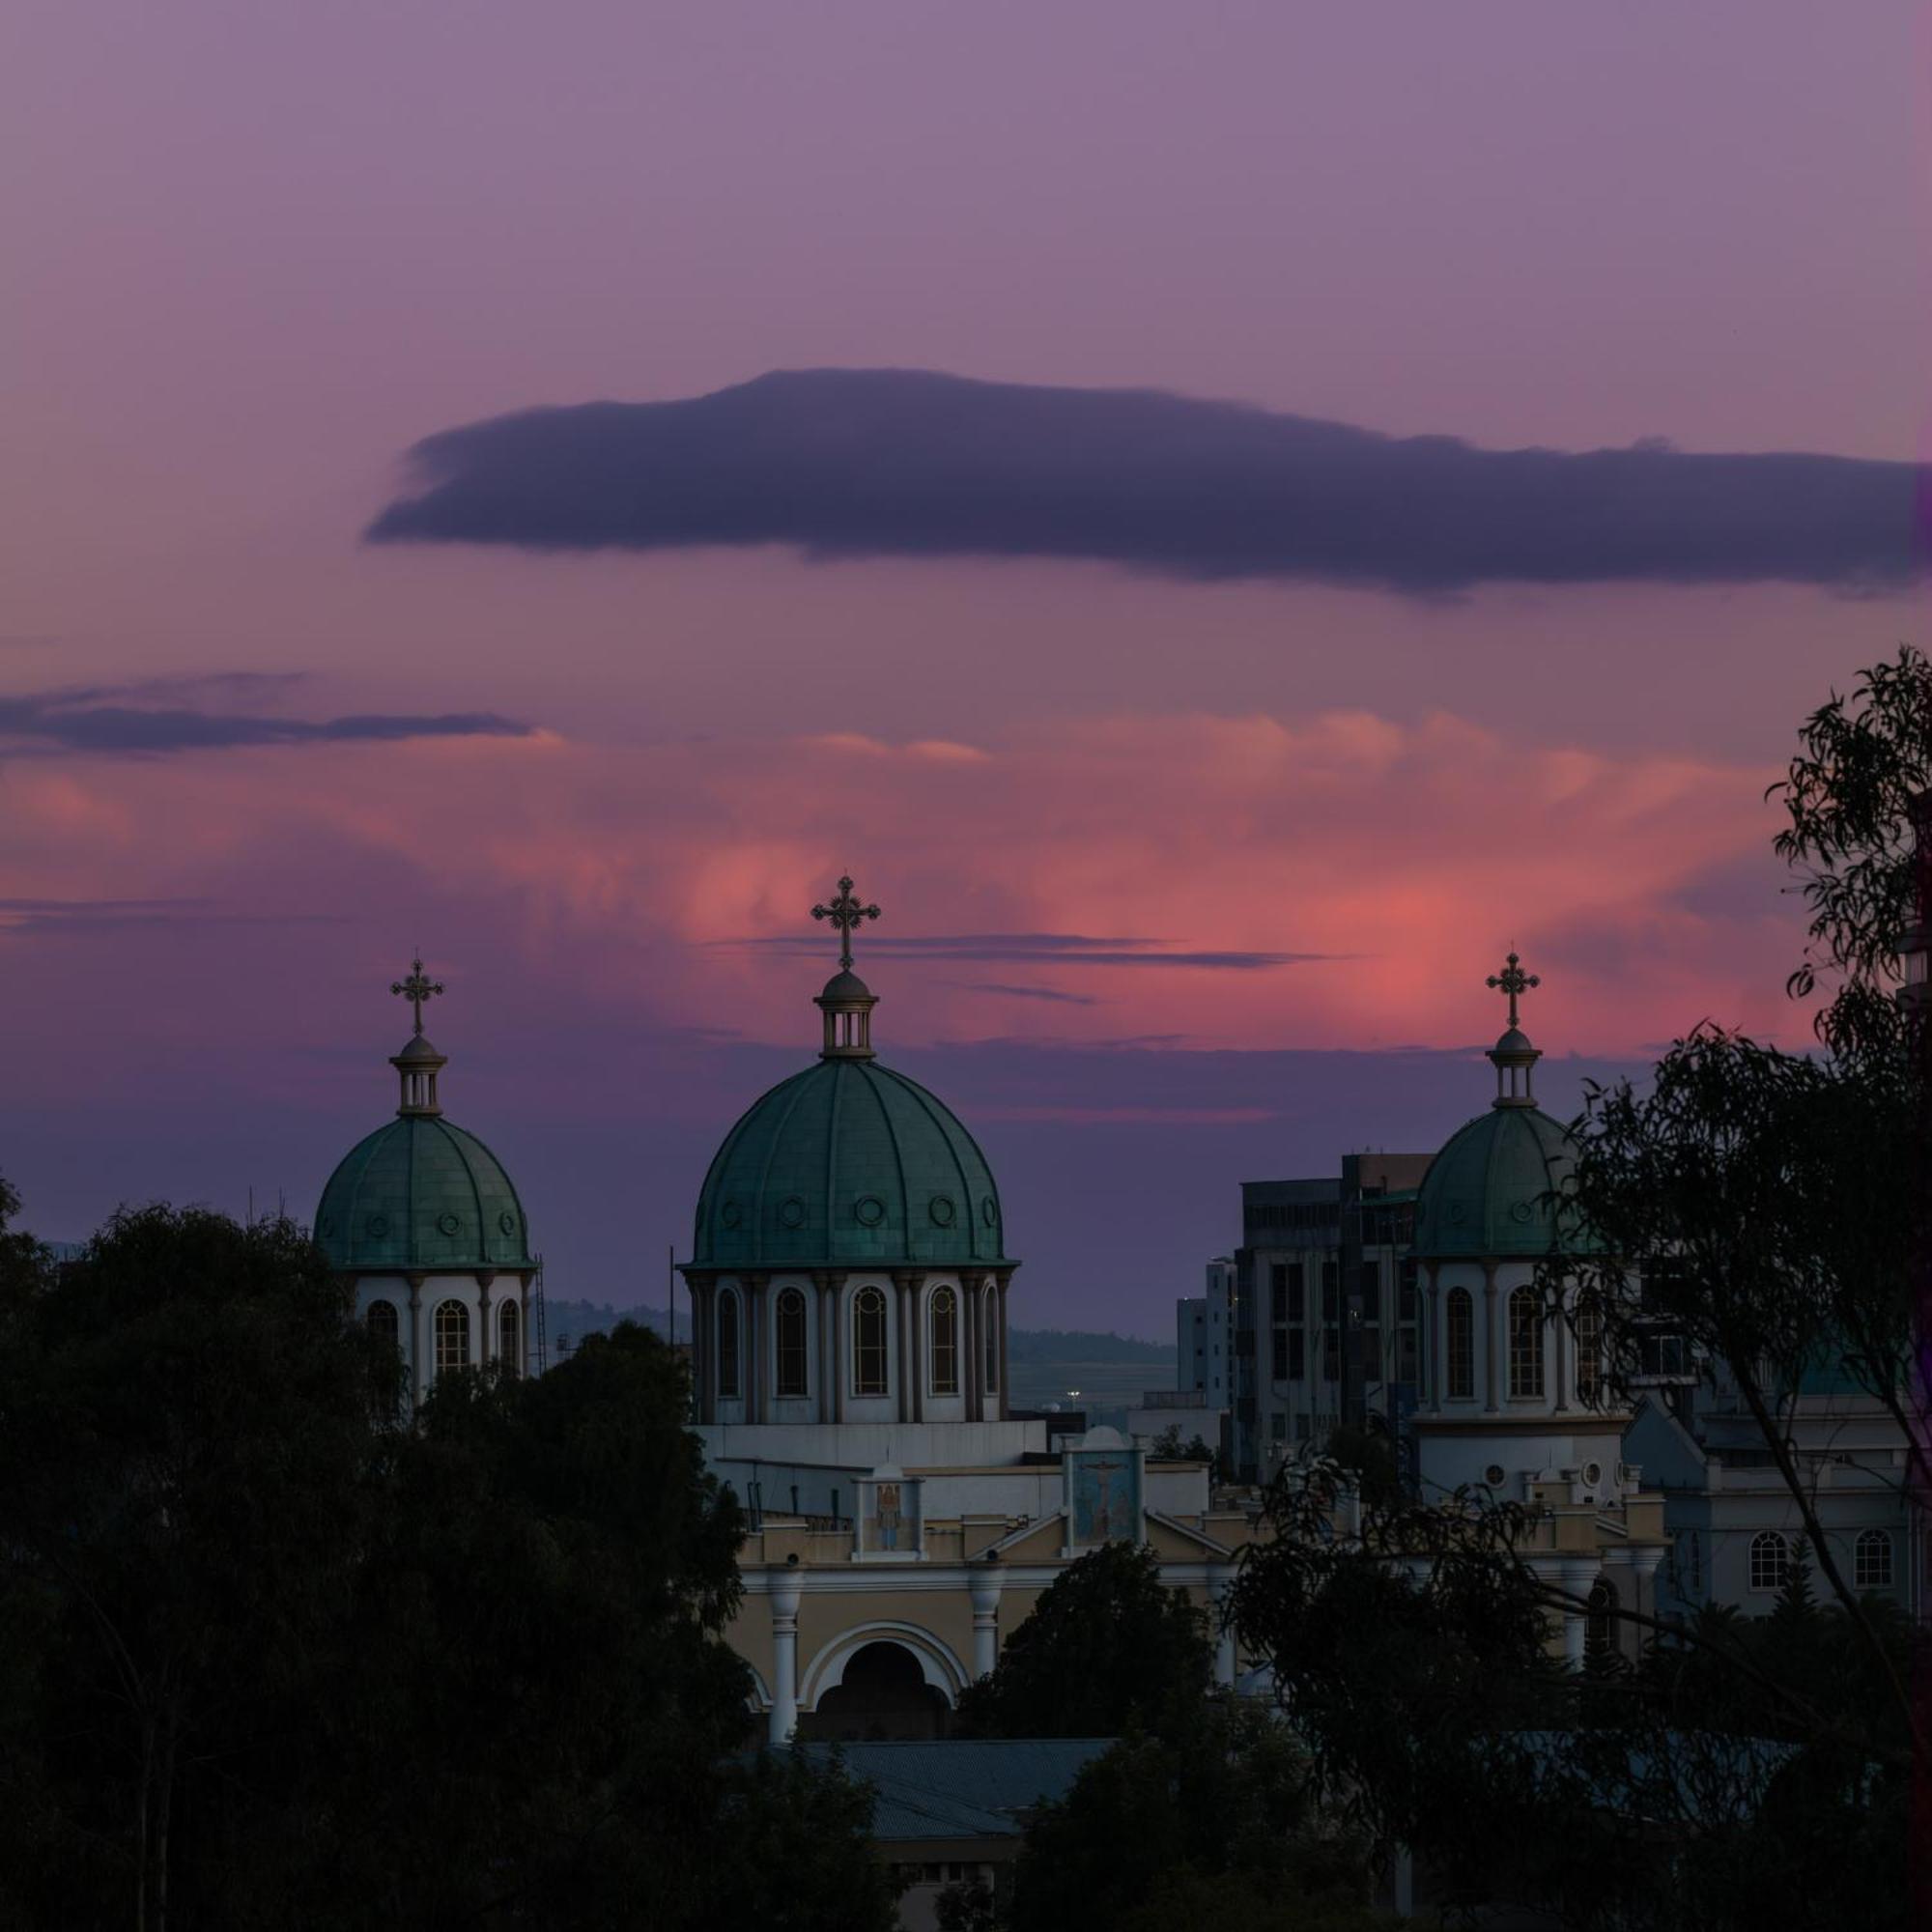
[(882, 1694)]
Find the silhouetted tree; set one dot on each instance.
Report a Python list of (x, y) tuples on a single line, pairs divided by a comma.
[(271, 1660), (1106, 1644)]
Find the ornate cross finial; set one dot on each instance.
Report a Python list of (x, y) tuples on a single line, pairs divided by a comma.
[(417, 989), (1514, 981), (845, 912)]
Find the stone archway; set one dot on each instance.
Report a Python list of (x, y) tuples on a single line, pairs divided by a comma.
[(878, 1686)]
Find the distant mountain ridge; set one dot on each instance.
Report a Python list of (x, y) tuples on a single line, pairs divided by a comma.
[(572, 1320)]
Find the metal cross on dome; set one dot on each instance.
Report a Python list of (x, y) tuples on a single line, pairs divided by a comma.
[(1514, 981), (845, 912), (417, 989)]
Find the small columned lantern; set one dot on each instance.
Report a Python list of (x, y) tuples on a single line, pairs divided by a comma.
[(846, 1001), (419, 1063), (1512, 1056)]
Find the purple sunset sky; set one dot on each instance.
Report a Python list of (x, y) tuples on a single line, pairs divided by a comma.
[(249, 759)]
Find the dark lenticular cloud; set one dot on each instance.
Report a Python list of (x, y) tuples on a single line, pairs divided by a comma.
[(1043, 949), (79, 721), (906, 463)]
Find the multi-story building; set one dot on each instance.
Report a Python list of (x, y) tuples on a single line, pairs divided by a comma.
[(1325, 1308)]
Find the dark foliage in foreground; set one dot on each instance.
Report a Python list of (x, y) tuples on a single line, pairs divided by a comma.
[(1747, 1774), (266, 1660), (1107, 1645)]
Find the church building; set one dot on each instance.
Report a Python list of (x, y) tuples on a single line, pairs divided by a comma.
[(850, 1278)]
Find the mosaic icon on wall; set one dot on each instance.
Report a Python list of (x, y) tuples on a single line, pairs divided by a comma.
[(1106, 1489), (889, 1514)]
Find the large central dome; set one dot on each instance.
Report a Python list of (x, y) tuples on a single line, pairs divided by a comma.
[(848, 1165)]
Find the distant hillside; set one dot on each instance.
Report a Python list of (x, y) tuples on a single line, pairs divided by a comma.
[(575, 1320), (1082, 1344), (578, 1319)]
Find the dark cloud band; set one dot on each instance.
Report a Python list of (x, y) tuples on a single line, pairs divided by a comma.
[(1035, 949), (80, 721), (906, 463)]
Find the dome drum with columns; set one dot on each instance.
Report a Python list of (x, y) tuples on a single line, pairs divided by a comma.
[(1504, 1362), (848, 1260), (424, 1219)]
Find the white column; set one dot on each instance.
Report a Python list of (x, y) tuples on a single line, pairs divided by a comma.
[(1574, 1580), (1220, 1591), (483, 1348), (787, 1585), (987, 1579)]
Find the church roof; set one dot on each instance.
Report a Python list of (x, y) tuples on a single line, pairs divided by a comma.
[(1488, 1194), (1485, 1193), (848, 1164), (420, 1196), (961, 1787)]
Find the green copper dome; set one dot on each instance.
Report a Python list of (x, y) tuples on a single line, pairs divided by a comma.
[(1485, 1193), (421, 1196), (848, 1165)]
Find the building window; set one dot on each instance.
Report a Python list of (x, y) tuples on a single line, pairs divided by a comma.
[(1331, 1354), (1281, 1354), (1769, 1560), (383, 1324), (1331, 1290), (1600, 1621), (727, 1345), (792, 1356), (1589, 1354), (990, 1324), (869, 1342), (510, 1337), (452, 1335), (1460, 1347), (1871, 1560), (945, 1343), (1298, 1355), (1525, 1342)]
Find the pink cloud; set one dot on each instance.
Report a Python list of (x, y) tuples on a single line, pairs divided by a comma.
[(1411, 855)]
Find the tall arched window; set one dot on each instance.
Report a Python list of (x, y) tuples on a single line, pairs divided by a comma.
[(383, 1324), (791, 1352), (728, 1343), (452, 1335), (1600, 1621), (1871, 1560), (1525, 1342), (869, 1342), (1589, 1354), (510, 1338), (989, 1329), (945, 1341), (1460, 1346), (1769, 1560)]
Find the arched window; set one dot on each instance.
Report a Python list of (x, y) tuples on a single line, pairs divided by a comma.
[(383, 1324), (728, 1343), (1769, 1560), (1525, 1342), (1589, 1354), (1461, 1347), (452, 1335), (990, 1326), (1600, 1621), (510, 1338), (791, 1354), (945, 1341), (1871, 1560), (869, 1342)]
